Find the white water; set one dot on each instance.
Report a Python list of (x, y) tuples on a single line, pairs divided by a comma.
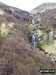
[(34, 36), (34, 39), (33, 20)]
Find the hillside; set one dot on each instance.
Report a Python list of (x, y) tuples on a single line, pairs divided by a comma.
[(46, 30), (43, 7), (17, 56)]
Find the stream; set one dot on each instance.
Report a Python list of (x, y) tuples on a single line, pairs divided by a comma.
[(34, 35), (35, 40)]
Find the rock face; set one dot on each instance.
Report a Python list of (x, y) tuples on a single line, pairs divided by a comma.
[(48, 23), (17, 57)]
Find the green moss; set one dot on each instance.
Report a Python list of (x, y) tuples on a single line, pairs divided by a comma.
[(49, 47), (31, 27), (54, 17)]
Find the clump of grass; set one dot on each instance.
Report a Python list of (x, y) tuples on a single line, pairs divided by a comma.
[(3, 29), (2, 12), (54, 17), (31, 27), (11, 25), (49, 47), (2, 37)]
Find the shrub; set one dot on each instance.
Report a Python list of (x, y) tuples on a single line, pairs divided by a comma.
[(31, 27), (1, 38), (54, 17), (8, 11), (1, 12)]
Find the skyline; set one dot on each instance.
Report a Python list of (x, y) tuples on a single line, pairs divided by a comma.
[(27, 5)]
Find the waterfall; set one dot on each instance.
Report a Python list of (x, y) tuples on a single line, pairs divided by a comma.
[(34, 40), (33, 22), (34, 35)]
